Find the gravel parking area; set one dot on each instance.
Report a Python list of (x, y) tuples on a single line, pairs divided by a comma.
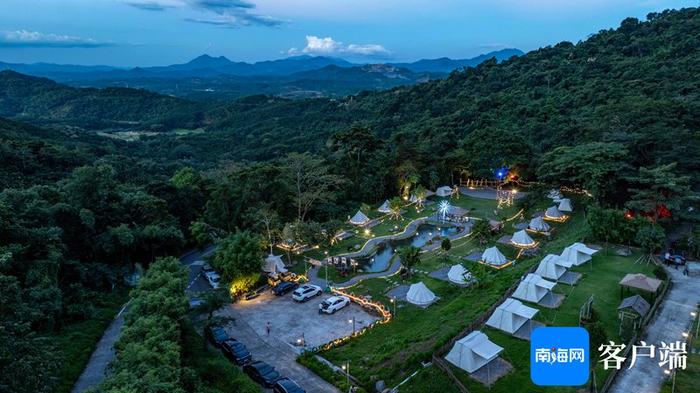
[(289, 319)]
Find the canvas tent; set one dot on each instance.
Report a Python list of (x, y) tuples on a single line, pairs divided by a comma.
[(413, 198), (578, 254), (538, 224), (533, 288), (554, 195), (521, 239), (359, 218), (565, 205), (494, 257), (554, 214), (510, 316), (458, 275), (384, 208), (549, 268), (274, 264), (444, 191), (473, 352), (420, 295)]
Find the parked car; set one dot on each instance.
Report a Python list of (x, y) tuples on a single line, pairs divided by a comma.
[(262, 373), (333, 304), (216, 334), (196, 303), (287, 385), (306, 292), (206, 268), (284, 288), (213, 279), (236, 351)]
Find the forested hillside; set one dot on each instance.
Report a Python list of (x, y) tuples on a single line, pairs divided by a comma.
[(617, 114)]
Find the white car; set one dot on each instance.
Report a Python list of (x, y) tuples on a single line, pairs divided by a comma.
[(333, 304), (213, 279), (306, 292)]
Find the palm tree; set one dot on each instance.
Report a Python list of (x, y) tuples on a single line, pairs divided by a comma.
[(420, 192), (410, 257), (395, 205)]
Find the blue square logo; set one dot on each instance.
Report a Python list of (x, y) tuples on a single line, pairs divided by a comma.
[(559, 356)]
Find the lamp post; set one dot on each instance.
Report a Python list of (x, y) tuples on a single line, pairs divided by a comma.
[(346, 368), (697, 323), (673, 379), (393, 302), (353, 324)]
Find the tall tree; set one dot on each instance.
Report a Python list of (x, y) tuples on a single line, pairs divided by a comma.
[(660, 191), (310, 180), (239, 254)]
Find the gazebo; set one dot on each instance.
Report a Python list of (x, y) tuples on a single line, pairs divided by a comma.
[(494, 257), (565, 205), (522, 240), (554, 214), (633, 308), (359, 219), (640, 282), (384, 208)]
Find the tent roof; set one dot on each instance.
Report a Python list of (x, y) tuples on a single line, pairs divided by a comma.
[(510, 315), (359, 218), (538, 224), (413, 198), (274, 264), (481, 345), (578, 254), (554, 194), (521, 238), (565, 205), (553, 212), (420, 295), (494, 256), (457, 274), (640, 281), (637, 303), (550, 268), (384, 208), (533, 288), (443, 191)]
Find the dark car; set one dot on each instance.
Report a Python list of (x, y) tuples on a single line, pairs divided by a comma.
[(284, 288), (216, 335), (287, 385), (262, 373), (236, 351)]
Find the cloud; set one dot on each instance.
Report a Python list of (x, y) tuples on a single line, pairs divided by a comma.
[(25, 38), (327, 46), (225, 13), (152, 5)]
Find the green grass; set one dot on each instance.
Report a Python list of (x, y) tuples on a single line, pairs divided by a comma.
[(321, 369), (76, 341), (210, 366), (688, 380)]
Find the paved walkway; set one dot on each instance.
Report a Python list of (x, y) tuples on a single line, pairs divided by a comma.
[(100, 359), (671, 320), (277, 353), (97, 367)]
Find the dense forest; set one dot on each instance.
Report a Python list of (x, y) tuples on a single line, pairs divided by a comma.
[(617, 114)]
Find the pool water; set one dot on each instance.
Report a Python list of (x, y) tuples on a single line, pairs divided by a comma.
[(382, 258)]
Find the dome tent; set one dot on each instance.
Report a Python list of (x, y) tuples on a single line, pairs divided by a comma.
[(538, 224), (521, 239), (274, 264), (420, 295), (444, 191), (494, 257), (384, 208), (554, 214)]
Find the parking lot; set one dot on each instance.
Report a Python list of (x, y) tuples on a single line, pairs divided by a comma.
[(290, 321)]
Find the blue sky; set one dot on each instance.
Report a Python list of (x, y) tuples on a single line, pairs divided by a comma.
[(156, 32)]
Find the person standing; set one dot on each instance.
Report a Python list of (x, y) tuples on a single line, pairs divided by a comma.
[(268, 327)]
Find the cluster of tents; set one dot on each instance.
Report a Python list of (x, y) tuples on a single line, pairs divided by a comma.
[(558, 211)]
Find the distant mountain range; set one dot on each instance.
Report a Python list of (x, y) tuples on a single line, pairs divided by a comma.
[(207, 77)]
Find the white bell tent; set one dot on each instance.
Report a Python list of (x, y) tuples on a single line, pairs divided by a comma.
[(494, 257), (555, 195), (274, 264), (578, 254), (554, 214), (384, 208), (549, 268), (521, 239), (420, 295), (533, 288), (511, 315), (359, 218), (459, 275), (565, 205), (473, 352), (538, 224), (443, 191)]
